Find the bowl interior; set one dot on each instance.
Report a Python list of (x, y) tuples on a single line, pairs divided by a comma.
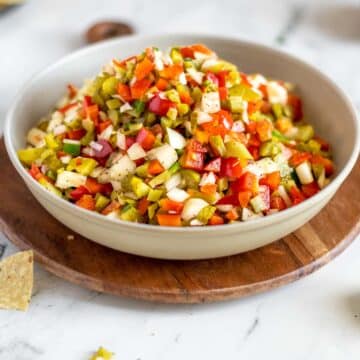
[(325, 106)]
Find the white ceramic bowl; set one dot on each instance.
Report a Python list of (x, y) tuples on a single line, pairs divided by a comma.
[(326, 106)]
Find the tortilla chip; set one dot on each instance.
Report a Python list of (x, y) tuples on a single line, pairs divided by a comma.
[(16, 281)]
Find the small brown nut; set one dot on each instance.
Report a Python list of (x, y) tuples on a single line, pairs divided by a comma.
[(106, 30)]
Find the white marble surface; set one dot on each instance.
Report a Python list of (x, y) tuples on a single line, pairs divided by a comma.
[(315, 318)]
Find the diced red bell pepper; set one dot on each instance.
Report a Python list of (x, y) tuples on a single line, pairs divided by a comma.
[(143, 68), (143, 205), (253, 106), (168, 219), (223, 93), (113, 206), (216, 220), (327, 163), (145, 138), (139, 88), (296, 104), (162, 84), (298, 158), (139, 162), (201, 48), (94, 187), (155, 167), (232, 214), (187, 52), (231, 167), (35, 172), (86, 202), (208, 189), (192, 160), (67, 107), (251, 127), (105, 151), (103, 125), (185, 97), (72, 91), (254, 140), (244, 198), (194, 145), (254, 151), (244, 79), (222, 75), (214, 165), (276, 202), (171, 72), (220, 125), (159, 106), (77, 193), (263, 89), (247, 182), (296, 195), (264, 130), (325, 146), (232, 199), (124, 91), (310, 189), (272, 180), (171, 206), (75, 134)]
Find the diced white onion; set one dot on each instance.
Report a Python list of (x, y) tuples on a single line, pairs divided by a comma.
[(210, 102), (208, 179), (67, 179), (120, 140), (125, 107), (60, 129), (65, 159), (196, 222), (88, 151), (36, 137), (238, 126), (192, 207), (165, 154), (224, 207), (106, 134), (304, 173), (173, 182), (257, 80), (209, 63), (123, 167), (182, 78), (70, 141), (176, 140), (267, 166), (284, 195), (197, 76), (136, 152), (276, 93), (178, 195), (203, 117), (96, 146)]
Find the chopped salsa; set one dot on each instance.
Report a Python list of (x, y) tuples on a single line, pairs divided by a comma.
[(179, 138)]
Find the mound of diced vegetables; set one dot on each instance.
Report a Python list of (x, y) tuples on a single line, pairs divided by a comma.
[(179, 139)]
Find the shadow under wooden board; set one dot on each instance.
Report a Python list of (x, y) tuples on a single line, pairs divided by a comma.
[(93, 266)]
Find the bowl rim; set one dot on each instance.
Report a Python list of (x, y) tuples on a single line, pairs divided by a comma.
[(240, 226)]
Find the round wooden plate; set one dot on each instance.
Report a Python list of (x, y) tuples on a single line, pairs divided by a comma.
[(88, 264)]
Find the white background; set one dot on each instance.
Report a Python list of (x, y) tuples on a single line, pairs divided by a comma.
[(315, 318)]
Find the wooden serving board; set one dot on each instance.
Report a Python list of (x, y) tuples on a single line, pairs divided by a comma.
[(93, 266)]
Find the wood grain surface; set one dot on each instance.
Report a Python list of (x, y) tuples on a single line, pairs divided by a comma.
[(81, 261)]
